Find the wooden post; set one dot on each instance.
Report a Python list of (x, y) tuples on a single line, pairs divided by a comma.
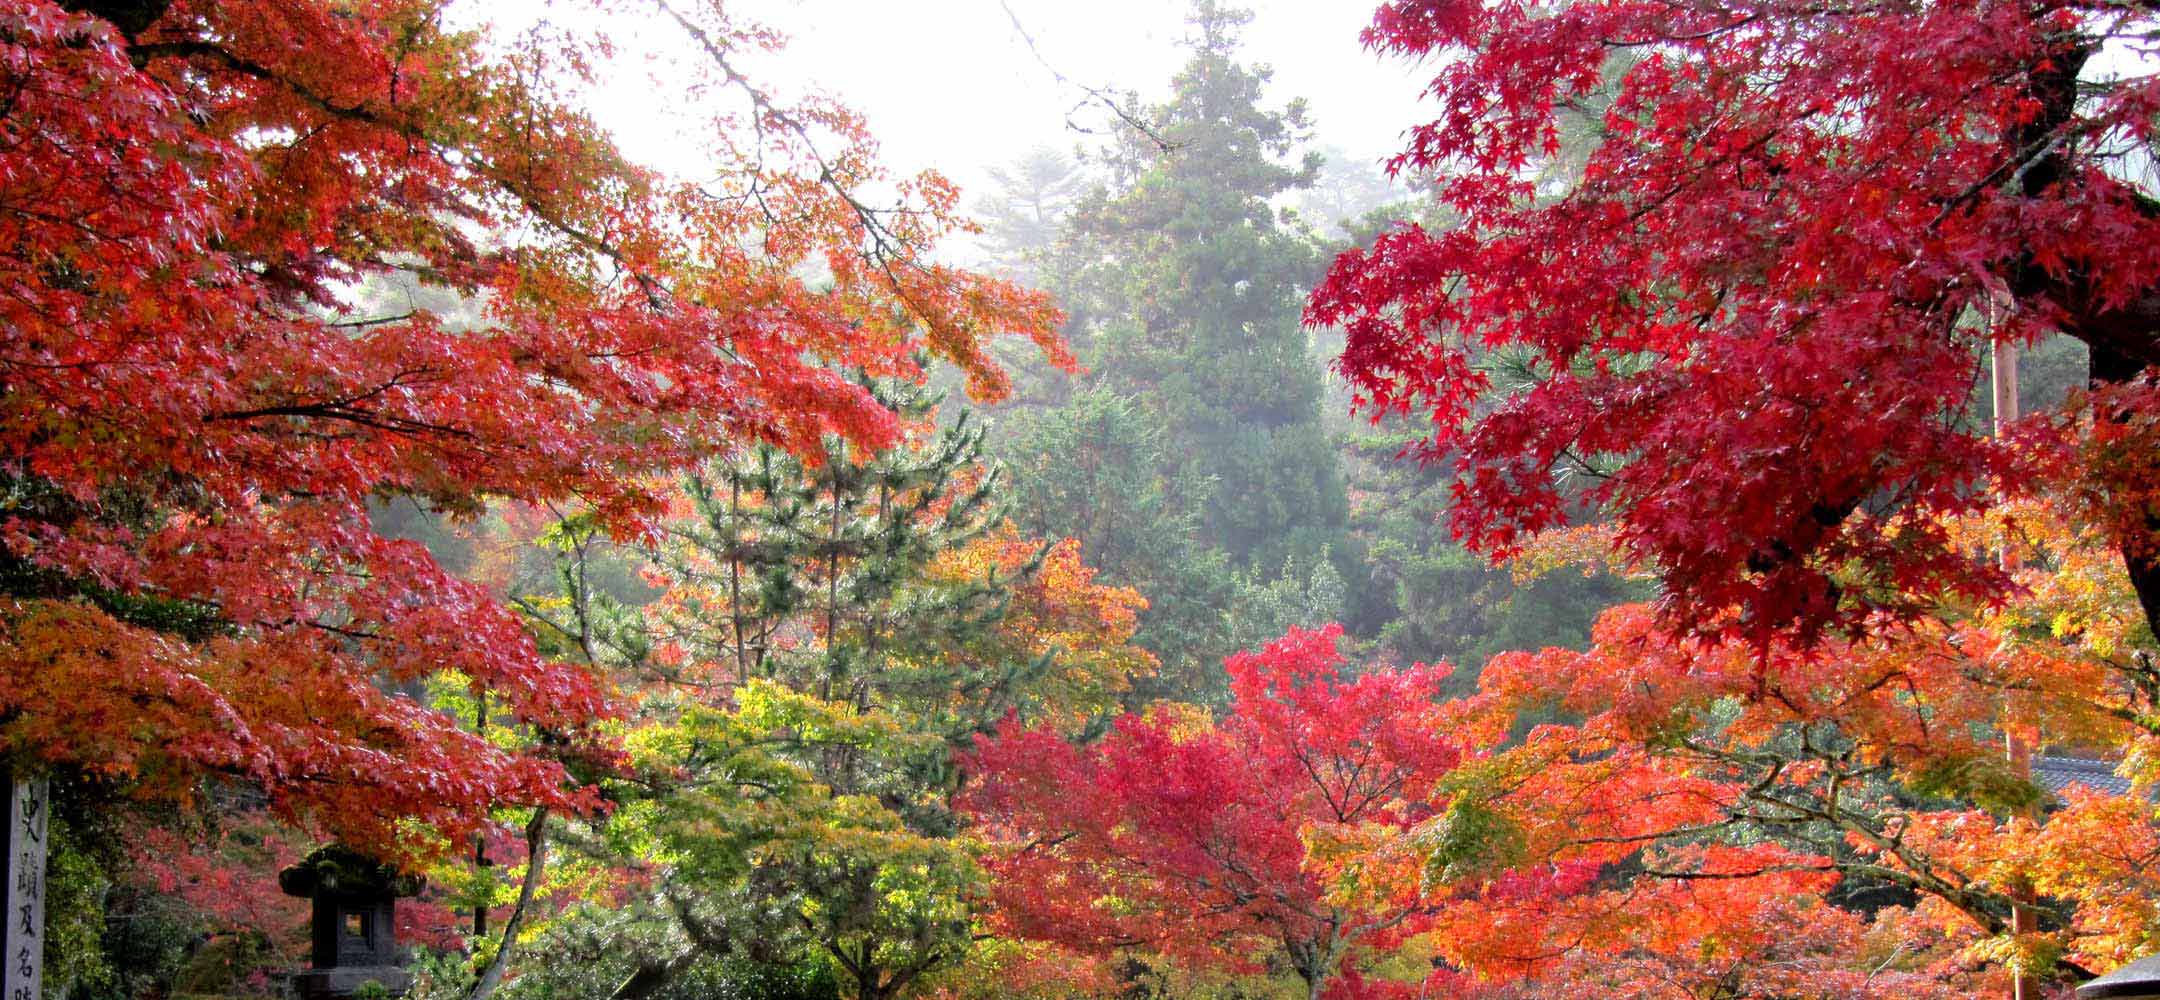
[(2003, 366), (2024, 987), (22, 967)]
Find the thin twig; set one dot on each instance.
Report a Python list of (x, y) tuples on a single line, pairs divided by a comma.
[(1095, 95)]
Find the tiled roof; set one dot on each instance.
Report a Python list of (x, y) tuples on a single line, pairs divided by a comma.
[(2057, 773)]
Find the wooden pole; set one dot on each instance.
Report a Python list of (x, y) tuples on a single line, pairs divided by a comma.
[(2003, 365)]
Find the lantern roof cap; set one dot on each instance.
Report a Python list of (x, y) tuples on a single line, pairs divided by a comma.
[(2138, 979), (339, 870)]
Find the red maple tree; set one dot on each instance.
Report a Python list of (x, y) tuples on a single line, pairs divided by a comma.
[(1186, 837), (196, 414), (1755, 315)]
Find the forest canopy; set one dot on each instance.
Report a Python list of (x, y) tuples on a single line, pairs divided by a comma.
[(1683, 521)]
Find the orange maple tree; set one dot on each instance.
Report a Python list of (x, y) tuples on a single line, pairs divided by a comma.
[(1841, 812), (195, 416)]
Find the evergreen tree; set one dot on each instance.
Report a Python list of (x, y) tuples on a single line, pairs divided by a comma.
[(829, 630), (808, 573), (1023, 217), (803, 814), (1096, 469), (1191, 295), (1184, 284)]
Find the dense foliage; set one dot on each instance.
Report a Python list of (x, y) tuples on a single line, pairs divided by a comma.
[(1752, 315), (689, 582), (1183, 835), (1751, 311), (194, 422)]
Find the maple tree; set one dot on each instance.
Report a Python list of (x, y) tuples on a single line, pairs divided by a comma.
[(1749, 312), (1752, 310), (1668, 807), (1793, 947), (1182, 835), (196, 417), (795, 828)]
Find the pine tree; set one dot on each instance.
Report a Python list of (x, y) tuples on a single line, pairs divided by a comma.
[(829, 630), (807, 572)]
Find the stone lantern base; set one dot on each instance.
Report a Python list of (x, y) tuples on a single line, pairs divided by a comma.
[(343, 983)]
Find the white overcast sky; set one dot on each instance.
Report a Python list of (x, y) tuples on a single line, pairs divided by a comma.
[(951, 84)]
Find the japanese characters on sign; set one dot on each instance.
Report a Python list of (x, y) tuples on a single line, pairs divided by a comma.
[(23, 964)]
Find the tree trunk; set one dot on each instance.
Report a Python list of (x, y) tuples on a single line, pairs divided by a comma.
[(652, 977), (2141, 557), (131, 17), (1313, 961), (869, 985), (535, 864), (2123, 338)]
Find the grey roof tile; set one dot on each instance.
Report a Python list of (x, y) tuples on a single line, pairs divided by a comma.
[(2057, 773)]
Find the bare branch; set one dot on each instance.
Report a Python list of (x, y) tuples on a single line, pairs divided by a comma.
[(1095, 95)]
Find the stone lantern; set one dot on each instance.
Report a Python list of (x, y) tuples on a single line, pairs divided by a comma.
[(352, 925), (2140, 980)]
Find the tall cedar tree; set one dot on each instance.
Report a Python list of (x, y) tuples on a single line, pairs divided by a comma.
[(1184, 282), (193, 422), (1191, 299), (1756, 316)]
